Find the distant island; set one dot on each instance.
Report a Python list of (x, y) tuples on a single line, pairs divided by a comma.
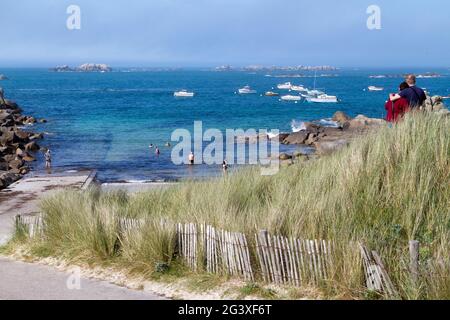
[(87, 67), (428, 75), (255, 68)]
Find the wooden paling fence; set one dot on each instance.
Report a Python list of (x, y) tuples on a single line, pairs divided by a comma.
[(377, 278), (218, 251), (292, 261), (31, 225), (277, 259)]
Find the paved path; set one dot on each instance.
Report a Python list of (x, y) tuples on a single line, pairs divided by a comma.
[(23, 196), (23, 281)]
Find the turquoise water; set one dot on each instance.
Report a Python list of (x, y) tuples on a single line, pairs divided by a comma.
[(106, 121)]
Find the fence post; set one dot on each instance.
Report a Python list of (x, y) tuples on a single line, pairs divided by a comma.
[(414, 259)]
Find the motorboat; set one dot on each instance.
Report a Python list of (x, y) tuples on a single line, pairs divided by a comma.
[(374, 88), (323, 98), (314, 93), (271, 94), (291, 98), (246, 90), (299, 88), (183, 94), (285, 86)]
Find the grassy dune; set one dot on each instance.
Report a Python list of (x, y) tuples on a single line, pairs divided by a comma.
[(387, 188)]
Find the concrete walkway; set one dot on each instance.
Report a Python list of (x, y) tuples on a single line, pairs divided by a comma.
[(23, 281), (23, 196)]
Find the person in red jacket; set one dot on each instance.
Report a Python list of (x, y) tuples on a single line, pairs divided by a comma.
[(396, 109)]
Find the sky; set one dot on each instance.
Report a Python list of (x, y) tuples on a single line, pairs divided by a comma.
[(196, 33)]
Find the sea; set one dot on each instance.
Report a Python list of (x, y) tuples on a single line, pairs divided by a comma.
[(106, 121)]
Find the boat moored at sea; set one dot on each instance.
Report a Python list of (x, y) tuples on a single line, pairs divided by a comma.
[(374, 88), (271, 94), (323, 98), (291, 98), (246, 90), (183, 94), (299, 88), (285, 86)]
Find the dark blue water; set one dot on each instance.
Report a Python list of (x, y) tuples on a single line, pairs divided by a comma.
[(106, 121)]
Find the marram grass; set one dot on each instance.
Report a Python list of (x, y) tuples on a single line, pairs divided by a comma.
[(385, 189)]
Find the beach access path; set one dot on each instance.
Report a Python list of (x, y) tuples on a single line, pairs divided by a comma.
[(23, 196), (23, 281)]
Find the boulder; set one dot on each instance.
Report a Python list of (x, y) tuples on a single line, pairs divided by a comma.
[(296, 138), (32, 146), (312, 137), (28, 158), (29, 120), (6, 178), (19, 152), (285, 156), (340, 117), (36, 136), (22, 135), (281, 137), (15, 164)]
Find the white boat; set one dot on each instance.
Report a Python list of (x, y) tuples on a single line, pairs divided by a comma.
[(291, 98), (285, 86), (323, 98), (246, 90), (299, 88), (183, 94), (373, 88), (314, 93), (271, 94)]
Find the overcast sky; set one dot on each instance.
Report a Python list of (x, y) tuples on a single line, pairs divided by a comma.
[(215, 32)]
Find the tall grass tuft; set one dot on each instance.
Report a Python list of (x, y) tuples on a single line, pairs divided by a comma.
[(385, 189)]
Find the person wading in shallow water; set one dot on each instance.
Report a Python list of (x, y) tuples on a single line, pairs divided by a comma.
[(48, 159), (225, 166), (2, 97), (157, 152), (191, 158)]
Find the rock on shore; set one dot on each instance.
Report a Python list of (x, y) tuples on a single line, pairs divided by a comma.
[(17, 146)]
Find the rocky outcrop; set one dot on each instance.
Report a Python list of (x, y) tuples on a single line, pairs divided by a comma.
[(435, 104), (329, 139), (16, 145), (87, 67), (3, 77)]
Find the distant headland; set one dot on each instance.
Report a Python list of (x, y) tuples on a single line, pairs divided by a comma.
[(255, 68), (87, 67)]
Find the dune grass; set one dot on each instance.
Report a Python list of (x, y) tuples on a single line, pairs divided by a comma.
[(385, 189)]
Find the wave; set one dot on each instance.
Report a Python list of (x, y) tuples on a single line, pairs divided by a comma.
[(298, 126), (328, 123)]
